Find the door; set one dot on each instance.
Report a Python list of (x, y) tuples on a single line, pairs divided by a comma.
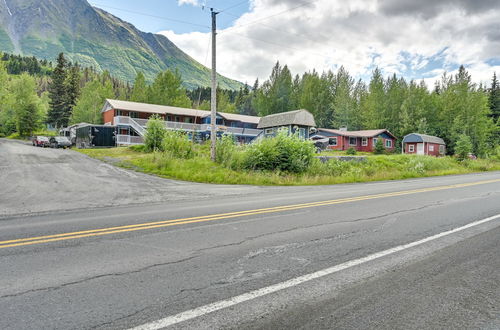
[(420, 148)]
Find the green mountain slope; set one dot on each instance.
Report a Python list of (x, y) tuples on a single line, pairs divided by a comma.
[(93, 37)]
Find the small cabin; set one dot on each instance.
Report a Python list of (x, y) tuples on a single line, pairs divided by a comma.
[(301, 121), (422, 144)]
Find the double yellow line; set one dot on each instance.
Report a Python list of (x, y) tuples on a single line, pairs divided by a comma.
[(214, 217)]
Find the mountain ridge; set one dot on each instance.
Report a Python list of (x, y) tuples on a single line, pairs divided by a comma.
[(93, 37)]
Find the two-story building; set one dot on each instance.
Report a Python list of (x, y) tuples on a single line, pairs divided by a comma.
[(131, 119)]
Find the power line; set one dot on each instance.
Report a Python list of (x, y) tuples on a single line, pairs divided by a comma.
[(280, 46), (233, 6), (149, 15), (267, 17), (306, 36)]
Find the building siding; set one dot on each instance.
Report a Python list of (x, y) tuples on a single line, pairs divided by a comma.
[(109, 117)]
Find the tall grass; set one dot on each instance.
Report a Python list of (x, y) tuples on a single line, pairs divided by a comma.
[(199, 168)]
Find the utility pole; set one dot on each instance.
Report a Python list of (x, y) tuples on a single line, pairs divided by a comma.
[(213, 103)]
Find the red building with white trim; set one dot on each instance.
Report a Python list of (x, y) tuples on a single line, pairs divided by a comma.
[(342, 139), (422, 144)]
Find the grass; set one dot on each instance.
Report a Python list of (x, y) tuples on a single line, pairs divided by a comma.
[(375, 168)]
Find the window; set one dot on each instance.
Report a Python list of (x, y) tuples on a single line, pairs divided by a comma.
[(188, 120), (119, 113), (441, 149), (168, 118), (269, 131), (134, 115), (388, 143), (302, 132), (332, 141), (177, 119), (352, 141), (364, 142), (375, 141), (431, 147), (411, 148)]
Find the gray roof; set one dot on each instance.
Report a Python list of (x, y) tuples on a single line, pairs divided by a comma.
[(163, 109), (297, 117), (415, 137)]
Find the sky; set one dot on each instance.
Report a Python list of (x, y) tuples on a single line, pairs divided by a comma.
[(414, 39)]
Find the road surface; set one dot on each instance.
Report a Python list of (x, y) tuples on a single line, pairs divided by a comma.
[(409, 254)]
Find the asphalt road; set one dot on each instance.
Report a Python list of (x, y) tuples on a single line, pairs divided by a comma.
[(185, 246)]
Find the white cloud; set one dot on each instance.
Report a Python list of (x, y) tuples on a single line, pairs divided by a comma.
[(188, 2), (402, 37)]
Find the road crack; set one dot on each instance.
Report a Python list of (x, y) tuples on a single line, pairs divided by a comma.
[(53, 288)]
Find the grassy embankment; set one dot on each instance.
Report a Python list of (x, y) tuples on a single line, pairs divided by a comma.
[(201, 169)]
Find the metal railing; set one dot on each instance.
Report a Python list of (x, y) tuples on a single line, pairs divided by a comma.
[(139, 125), (132, 122), (129, 140)]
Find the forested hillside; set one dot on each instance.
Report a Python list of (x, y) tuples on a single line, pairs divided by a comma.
[(95, 38)]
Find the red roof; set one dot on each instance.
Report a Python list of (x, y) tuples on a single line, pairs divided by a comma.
[(365, 133)]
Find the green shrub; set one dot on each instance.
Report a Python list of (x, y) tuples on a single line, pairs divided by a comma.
[(285, 152), (351, 151), (379, 147), (225, 147), (155, 132), (463, 147), (178, 145), (495, 155)]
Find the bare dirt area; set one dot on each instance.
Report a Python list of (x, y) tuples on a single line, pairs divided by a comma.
[(34, 180)]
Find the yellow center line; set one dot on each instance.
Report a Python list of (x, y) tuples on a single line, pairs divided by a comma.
[(213, 217)]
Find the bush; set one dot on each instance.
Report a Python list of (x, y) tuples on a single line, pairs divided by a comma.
[(379, 147), (496, 153), (178, 145), (463, 147), (351, 151), (225, 150), (155, 132), (284, 152)]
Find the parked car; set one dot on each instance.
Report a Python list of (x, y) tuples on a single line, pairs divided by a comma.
[(41, 141), (60, 142)]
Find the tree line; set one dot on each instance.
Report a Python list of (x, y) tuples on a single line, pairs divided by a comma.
[(456, 106), (66, 93)]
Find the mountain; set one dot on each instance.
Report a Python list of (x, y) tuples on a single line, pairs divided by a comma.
[(94, 37)]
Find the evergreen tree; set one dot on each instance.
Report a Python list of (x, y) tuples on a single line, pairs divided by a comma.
[(494, 98), (58, 114), (167, 90), (275, 94), (139, 90), (373, 106), (344, 104), (72, 91)]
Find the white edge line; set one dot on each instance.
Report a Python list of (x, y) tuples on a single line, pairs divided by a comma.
[(203, 310)]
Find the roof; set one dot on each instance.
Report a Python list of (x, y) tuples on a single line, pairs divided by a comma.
[(297, 117), (238, 117), (164, 109), (365, 133), (415, 137)]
